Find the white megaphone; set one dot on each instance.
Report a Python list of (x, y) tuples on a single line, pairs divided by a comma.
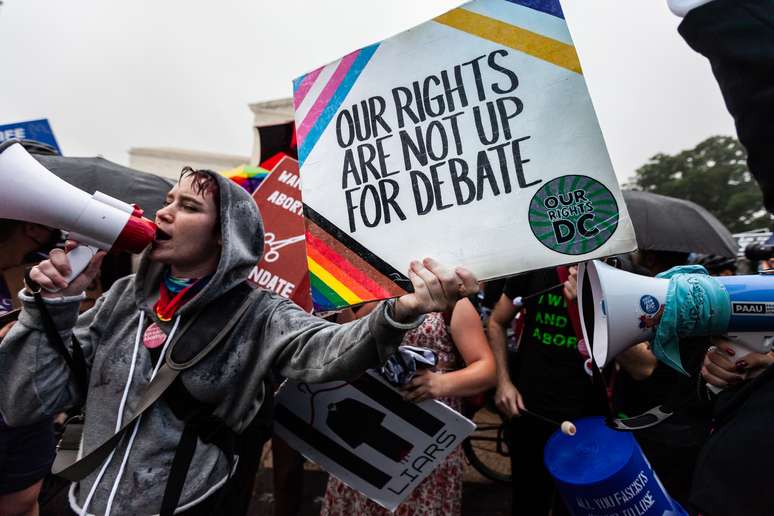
[(620, 309), (30, 192)]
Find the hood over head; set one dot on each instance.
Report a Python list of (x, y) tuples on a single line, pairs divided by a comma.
[(241, 228)]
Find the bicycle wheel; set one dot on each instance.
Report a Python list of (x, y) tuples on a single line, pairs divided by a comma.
[(487, 449)]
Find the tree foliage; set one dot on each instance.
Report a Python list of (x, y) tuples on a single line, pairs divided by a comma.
[(714, 175)]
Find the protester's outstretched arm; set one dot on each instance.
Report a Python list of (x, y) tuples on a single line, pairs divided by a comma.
[(507, 397), (35, 381), (306, 348), (480, 371)]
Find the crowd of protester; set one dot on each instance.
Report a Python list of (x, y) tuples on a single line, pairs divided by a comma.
[(180, 455), (539, 366)]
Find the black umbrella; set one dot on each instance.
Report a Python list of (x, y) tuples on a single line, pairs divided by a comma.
[(664, 223), (97, 174)]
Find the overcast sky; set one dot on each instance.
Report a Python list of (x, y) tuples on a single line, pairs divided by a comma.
[(110, 75)]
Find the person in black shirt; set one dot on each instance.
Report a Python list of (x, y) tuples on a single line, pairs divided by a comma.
[(546, 376)]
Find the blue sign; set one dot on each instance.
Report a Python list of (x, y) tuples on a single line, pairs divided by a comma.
[(35, 130)]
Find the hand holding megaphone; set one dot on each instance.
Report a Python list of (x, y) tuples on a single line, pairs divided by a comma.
[(98, 222), (722, 367), (55, 275), (620, 309)]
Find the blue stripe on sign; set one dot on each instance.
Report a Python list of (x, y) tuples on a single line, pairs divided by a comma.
[(297, 83), (333, 106), (546, 6)]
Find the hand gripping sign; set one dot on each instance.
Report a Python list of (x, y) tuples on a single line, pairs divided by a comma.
[(470, 138), (365, 434)]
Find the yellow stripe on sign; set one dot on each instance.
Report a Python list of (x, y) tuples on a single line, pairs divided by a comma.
[(536, 45), (334, 284)]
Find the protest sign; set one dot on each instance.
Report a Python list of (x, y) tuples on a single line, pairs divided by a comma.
[(365, 434), (470, 138), (282, 268), (35, 130)]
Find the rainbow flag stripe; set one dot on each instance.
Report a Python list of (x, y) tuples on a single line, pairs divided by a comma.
[(342, 272), (500, 22), (249, 178), (318, 95)]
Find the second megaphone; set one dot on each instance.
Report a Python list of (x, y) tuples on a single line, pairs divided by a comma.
[(620, 309), (32, 193)]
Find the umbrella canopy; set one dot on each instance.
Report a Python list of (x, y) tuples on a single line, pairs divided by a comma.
[(97, 174), (664, 223)]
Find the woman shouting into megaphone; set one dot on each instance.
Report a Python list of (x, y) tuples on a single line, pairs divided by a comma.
[(177, 356)]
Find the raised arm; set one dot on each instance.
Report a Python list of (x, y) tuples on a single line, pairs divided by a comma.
[(309, 349), (35, 381)]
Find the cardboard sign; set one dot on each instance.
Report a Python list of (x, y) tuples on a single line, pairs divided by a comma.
[(365, 434), (470, 138), (282, 268)]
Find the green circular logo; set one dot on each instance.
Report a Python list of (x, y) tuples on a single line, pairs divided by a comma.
[(573, 214)]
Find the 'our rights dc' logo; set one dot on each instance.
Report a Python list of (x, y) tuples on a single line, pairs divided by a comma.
[(573, 214)]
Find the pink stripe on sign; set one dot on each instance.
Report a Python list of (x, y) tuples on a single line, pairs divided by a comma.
[(303, 88), (325, 96)]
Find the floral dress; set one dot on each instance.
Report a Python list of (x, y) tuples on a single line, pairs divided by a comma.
[(441, 492)]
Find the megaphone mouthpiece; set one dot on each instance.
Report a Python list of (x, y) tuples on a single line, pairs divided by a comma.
[(136, 235)]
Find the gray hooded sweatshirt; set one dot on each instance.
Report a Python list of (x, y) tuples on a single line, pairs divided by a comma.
[(36, 383)]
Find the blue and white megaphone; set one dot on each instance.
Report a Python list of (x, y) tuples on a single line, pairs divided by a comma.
[(620, 309)]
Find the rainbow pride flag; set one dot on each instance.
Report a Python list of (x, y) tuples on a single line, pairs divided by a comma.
[(342, 272), (247, 177)]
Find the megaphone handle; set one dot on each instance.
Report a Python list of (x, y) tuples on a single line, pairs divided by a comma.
[(739, 353), (714, 389), (79, 258)]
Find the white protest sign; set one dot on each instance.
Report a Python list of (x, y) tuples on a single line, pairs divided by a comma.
[(470, 138), (365, 434)]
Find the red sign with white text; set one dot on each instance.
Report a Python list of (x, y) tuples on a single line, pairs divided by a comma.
[(283, 268)]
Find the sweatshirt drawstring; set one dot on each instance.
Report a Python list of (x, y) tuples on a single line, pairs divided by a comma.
[(120, 417), (121, 469)]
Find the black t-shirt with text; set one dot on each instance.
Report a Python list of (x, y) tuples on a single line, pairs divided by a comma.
[(548, 370)]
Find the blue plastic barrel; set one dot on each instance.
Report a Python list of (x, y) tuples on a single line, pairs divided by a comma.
[(602, 472)]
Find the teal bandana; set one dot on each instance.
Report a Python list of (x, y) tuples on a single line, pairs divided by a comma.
[(696, 305)]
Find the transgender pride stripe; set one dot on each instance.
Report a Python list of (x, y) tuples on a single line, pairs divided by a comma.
[(323, 93), (301, 86)]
